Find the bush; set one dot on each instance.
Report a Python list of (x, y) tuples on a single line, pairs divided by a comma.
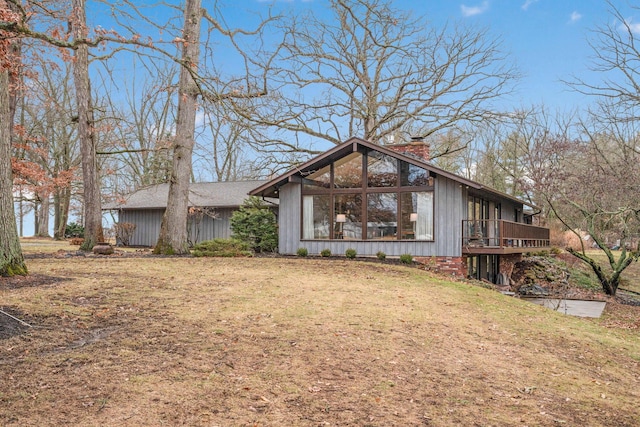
[(406, 258), (556, 250), (256, 224), (77, 241), (325, 252), (350, 253), (302, 252), (381, 255), (222, 248), (124, 232), (542, 253), (74, 230)]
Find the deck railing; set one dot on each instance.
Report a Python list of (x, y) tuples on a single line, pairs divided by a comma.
[(491, 233)]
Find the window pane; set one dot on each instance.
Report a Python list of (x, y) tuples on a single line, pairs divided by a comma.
[(382, 170), (417, 216), (348, 171), (412, 175), (319, 179), (316, 217), (348, 216), (382, 214)]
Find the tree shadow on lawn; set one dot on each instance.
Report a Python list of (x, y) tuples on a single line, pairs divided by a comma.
[(11, 320)]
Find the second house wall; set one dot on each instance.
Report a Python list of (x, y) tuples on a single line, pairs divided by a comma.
[(148, 223)]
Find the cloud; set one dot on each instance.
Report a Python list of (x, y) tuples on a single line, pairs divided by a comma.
[(575, 17), (474, 10), (629, 25), (528, 3), (201, 118)]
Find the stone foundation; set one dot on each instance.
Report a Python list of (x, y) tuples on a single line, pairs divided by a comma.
[(449, 265), (507, 262)]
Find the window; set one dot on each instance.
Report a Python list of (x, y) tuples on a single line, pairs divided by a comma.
[(382, 170), (316, 217), (368, 196), (348, 171), (382, 212), (348, 216), (319, 179), (417, 216), (412, 175)]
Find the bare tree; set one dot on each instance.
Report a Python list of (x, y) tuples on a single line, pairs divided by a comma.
[(93, 232), (173, 230), (601, 196), (46, 154), (616, 57), (590, 186), (374, 72), (138, 153)]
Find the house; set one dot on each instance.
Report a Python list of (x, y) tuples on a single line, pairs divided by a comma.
[(210, 208), (389, 198)]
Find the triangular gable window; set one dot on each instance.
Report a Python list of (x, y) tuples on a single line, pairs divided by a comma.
[(368, 196)]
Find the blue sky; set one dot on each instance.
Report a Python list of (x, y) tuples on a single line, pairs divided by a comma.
[(547, 39)]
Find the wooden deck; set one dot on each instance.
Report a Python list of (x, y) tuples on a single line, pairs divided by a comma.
[(495, 237)]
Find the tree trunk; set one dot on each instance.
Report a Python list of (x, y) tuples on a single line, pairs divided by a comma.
[(609, 283), (20, 215), (93, 232), (36, 217), (43, 217), (173, 231), (61, 202), (11, 259)]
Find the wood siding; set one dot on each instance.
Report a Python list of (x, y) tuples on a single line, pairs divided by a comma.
[(449, 211), (148, 226)]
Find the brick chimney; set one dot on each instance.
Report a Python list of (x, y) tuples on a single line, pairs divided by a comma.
[(416, 148)]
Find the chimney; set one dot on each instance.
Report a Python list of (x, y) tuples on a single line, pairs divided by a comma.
[(416, 148)]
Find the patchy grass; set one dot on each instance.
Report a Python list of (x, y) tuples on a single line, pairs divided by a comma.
[(302, 342), (37, 245), (33, 247), (583, 276)]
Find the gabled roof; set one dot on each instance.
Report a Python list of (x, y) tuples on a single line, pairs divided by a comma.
[(270, 188), (205, 194)]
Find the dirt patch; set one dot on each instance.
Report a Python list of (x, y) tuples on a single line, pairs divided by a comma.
[(31, 280), (11, 323)]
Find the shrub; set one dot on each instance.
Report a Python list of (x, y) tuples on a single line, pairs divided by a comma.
[(77, 241), (256, 224), (222, 248), (381, 255), (124, 232), (556, 250), (406, 258), (302, 252), (542, 253), (350, 253), (74, 230), (325, 252)]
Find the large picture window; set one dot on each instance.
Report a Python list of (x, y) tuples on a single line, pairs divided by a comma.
[(368, 196)]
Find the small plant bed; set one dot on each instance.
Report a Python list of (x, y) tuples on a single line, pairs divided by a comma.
[(554, 277)]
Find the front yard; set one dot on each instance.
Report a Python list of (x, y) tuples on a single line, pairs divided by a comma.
[(147, 341)]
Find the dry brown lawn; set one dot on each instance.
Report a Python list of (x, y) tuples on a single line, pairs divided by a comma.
[(146, 341)]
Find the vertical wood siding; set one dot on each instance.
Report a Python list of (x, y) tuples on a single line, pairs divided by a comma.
[(449, 211), (289, 219), (148, 226)]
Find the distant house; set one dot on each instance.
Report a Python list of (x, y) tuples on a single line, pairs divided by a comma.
[(392, 199), (211, 206)]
